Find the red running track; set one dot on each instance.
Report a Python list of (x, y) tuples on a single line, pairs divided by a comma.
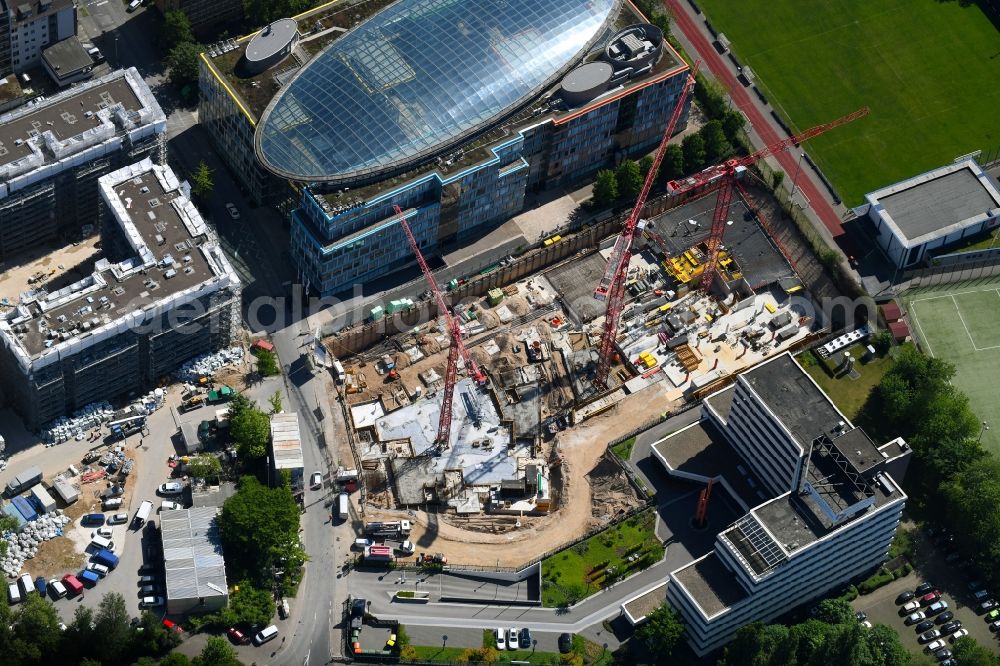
[(722, 72)]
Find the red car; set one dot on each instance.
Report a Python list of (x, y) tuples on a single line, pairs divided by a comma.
[(930, 598), (236, 636), (170, 624)]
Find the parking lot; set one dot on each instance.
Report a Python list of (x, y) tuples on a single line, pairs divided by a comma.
[(930, 566)]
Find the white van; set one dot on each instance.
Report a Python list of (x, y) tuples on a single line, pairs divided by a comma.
[(100, 542), (57, 588), (266, 634), (27, 585), (13, 593), (142, 515), (343, 506)]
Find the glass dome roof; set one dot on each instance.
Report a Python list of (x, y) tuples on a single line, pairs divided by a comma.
[(416, 79)]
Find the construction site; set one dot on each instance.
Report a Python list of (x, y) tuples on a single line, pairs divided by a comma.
[(489, 424)]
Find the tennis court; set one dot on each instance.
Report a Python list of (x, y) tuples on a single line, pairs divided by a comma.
[(960, 323)]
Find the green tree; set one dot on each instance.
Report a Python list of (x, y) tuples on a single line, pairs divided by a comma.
[(662, 631), (267, 363), (754, 644), (672, 167), (968, 652), (248, 605), (777, 178), (629, 178), (217, 652), (694, 153), (79, 641), (111, 623), (835, 611), (202, 181), (972, 499), (716, 145), (205, 466), (176, 29), (183, 63), (275, 401), (259, 527), (7, 524), (711, 96), (249, 427), (605, 188), (886, 646), (36, 633), (645, 164), (175, 659), (732, 123)]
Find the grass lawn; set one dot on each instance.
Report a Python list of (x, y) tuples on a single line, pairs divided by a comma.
[(624, 449), (579, 571), (848, 394), (960, 323), (927, 68), (436, 653)]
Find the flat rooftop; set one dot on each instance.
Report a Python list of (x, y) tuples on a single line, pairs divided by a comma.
[(285, 441), (702, 450), (67, 115), (192, 554), (67, 57), (938, 202), (710, 584), (794, 398), (171, 253), (480, 451)]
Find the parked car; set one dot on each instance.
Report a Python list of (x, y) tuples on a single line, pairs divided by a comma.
[(952, 557), (150, 602), (987, 605), (904, 597), (909, 607), (995, 626), (861, 616), (993, 615), (512, 643), (316, 481), (958, 634), (501, 638), (167, 505), (930, 598), (943, 655), (92, 519), (975, 585), (524, 639), (924, 626), (134, 5), (924, 588), (913, 618), (406, 547), (236, 636), (361, 544), (118, 519), (929, 636), (949, 627), (112, 503), (934, 646), (171, 488), (100, 569), (946, 616), (266, 634), (233, 211), (101, 532), (980, 595), (565, 643), (937, 607)]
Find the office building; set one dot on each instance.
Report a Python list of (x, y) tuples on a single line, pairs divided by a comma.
[(922, 216), (53, 152), (205, 15), (162, 293), (454, 115), (31, 26), (821, 513)]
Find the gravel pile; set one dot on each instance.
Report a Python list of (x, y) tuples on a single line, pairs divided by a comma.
[(23, 545), (208, 364)]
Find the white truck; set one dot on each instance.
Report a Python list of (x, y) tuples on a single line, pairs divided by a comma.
[(142, 514), (388, 528)]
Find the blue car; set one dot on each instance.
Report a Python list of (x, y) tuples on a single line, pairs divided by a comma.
[(92, 519), (40, 585)]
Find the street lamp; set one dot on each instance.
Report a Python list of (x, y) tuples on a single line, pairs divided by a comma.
[(116, 49), (982, 430), (798, 170)]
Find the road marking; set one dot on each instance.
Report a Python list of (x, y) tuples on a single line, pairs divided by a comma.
[(962, 319), (102, 2)]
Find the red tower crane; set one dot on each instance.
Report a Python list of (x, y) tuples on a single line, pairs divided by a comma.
[(723, 177), (612, 284), (455, 331)]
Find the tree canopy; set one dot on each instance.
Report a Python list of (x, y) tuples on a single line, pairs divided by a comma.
[(662, 631), (629, 178), (716, 144), (972, 499), (248, 605), (249, 427), (183, 63), (176, 29), (605, 187), (205, 466), (693, 146), (672, 167), (111, 624), (260, 529), (217, 652), (202, 182)]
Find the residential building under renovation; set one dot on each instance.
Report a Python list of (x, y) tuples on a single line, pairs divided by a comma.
[(162, 293), (53, 152)]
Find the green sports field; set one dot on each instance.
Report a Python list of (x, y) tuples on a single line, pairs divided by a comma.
[(927, 68), (961, 323)]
